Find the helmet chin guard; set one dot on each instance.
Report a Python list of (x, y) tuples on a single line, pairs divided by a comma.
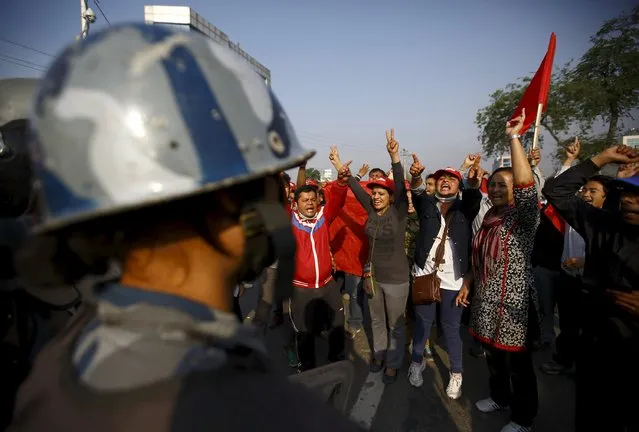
[(267, 228)]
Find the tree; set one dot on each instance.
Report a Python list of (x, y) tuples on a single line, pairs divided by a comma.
[(605, 82), (557, 120), (313, 174), (602, 87)]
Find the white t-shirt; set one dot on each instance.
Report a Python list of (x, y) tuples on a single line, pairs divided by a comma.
[(446, 269)]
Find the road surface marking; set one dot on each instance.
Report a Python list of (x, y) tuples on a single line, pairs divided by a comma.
[(365, 407)]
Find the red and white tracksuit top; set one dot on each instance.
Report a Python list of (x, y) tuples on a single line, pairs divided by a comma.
[(313, 267)]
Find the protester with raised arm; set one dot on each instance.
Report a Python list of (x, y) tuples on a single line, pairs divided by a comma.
[(567, 254), (609, 305), (442, 251), (316, 303), (501, 308), (387, 279)]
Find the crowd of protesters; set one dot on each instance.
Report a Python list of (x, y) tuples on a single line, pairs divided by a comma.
[(519, 250)]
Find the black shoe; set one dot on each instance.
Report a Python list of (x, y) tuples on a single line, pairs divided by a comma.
[(390, 379)]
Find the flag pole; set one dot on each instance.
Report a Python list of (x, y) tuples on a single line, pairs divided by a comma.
[(535, 143)]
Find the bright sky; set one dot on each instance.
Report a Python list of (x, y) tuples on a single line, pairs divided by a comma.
[(346, 70)]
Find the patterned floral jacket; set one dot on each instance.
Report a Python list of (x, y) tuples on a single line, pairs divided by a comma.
[(501, 304)]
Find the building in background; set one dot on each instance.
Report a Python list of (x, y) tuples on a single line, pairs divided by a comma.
[(502, 161), (184, 18), (327, 175), (631, 141)]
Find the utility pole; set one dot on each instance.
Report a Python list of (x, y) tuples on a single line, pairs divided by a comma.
[(87, 17), (406, 161)]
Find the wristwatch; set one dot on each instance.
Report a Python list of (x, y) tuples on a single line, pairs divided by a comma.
[(515, 136)]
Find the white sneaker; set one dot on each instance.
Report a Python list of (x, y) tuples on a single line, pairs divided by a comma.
[(454, 386), (415, 372), (514, 427), (488, 405)]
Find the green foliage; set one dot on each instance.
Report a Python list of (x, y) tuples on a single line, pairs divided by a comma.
[(313, 174), (491, 119), (605, 82)]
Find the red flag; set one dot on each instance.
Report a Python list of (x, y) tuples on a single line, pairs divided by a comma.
[(349, 243), (537, 91), (553, 216)]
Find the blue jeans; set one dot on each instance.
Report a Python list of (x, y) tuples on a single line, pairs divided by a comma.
[(450, 323), (353, 287)]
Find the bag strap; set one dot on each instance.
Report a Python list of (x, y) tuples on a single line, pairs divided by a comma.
[(439, 253), (370, 256)]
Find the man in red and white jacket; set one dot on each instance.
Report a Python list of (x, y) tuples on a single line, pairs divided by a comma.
[(317, 303)]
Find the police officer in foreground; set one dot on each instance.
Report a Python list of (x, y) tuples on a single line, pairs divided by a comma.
[(161, 151)]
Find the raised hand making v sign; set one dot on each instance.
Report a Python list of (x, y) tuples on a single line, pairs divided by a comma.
[(392, 145)]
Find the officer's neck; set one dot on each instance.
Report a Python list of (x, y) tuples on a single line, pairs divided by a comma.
[(187, 267)]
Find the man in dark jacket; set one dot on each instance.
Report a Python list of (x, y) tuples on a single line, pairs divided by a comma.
[(607, 357)]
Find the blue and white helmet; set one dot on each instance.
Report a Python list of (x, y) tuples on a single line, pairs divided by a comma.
[(138, 114)]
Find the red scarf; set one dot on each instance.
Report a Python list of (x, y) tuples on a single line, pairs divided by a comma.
[(487, 245)]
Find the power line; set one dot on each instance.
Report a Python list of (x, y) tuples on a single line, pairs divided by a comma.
[(26, 47), (23, 65), (323, 140), (97, 4), (23, 61)]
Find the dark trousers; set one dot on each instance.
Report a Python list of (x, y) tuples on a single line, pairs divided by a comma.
[(567, 294), (314, 310), (607, 373), (513, 382), (450, 323)]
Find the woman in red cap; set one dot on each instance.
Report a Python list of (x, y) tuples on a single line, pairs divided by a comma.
[(386, 278)]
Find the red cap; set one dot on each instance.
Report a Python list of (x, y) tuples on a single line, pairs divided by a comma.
[(448, 170), (311, 182), (384, 182), (292, 186)]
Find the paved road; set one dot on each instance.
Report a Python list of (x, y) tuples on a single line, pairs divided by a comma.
[(401, 407)]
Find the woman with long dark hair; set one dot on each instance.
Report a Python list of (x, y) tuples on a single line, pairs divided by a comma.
[(386, 279)]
